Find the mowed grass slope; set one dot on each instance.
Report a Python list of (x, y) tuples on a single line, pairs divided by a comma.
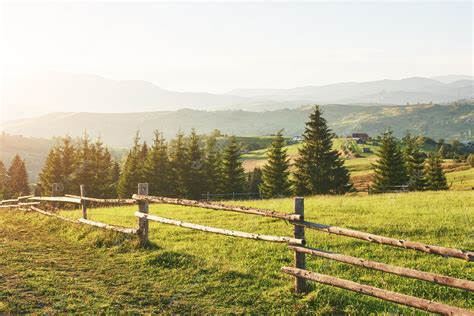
[(48, 265)]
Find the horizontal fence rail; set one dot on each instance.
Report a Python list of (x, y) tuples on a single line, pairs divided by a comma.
[(437, 250), (10, 206), (420, 275), (105, 201), (64, 199), (220, 231), (52, 214), (16, 200), (386, 295), (219, 206)]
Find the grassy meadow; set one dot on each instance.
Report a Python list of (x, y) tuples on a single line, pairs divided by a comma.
[(47, 265)]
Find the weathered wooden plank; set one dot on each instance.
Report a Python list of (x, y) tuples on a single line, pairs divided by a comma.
[(221, 231), (105, 201), (437, 250), (411, 273), (28, 203), (125, 230), (9, 201), (64, 199), (219, 206), (24, 197), (10, 206), (386, 295), (33, 208)]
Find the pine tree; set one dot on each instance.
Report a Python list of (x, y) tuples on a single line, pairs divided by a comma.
[(157, 167), (434, 174), (51, 172), (18, 178), (84, 173), (232, 170), (132, 171), (275, 173), (195, 181), (254, 181), (67, 153), (115, 176), (102, 165), (319, 170), (4, 194), (213, 166), (390, 168), (180, 164), (414, 163)]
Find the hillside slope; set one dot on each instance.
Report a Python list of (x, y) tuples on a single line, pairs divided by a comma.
[(117, 129)]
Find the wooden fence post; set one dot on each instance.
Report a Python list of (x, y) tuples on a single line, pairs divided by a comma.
[(83, 202), (300, 258), (143, 221)]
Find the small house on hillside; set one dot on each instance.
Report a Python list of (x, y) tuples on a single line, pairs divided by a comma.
[(297, 139), (361, 136)]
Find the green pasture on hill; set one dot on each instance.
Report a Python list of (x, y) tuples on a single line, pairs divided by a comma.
[(51, 266)]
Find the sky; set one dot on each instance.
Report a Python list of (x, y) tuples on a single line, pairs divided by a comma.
[(220, 46)]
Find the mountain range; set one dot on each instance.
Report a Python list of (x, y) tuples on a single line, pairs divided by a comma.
[(455, 120), (44, 93)]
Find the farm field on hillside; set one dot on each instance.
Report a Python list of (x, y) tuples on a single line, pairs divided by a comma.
[(47, 265)]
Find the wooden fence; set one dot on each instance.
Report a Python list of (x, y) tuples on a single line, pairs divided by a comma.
[(296, 243)]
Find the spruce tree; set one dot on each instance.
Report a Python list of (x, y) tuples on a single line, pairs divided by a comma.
[(84, 173), (275, 173), (18, 178), (213, 166), (414, 163), (157, 167), (232, 170), (51, 172), (102, 164), (319, 170), (180, 164), (434, 174), (195, 181), (390, 168), (67, 153), (4, 194), (254, 181), (132, 171), (115, 176)]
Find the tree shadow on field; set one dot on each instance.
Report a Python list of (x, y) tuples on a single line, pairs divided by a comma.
[(171, 260)]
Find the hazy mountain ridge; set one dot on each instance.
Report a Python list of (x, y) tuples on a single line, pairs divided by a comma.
[(57, 92), (117, 129)]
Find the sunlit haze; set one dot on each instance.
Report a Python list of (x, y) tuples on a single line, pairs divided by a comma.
[(217, 47)]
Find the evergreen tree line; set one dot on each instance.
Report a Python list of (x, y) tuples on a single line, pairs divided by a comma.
[(71, 164), (409, 167), (189, 167), (193, 166), (14, 181), (185, 167)]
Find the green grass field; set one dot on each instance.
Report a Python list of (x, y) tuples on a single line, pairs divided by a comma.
[(47, 265), (461, 180)]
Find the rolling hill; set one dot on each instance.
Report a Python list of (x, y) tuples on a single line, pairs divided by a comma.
[(117, 129)]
